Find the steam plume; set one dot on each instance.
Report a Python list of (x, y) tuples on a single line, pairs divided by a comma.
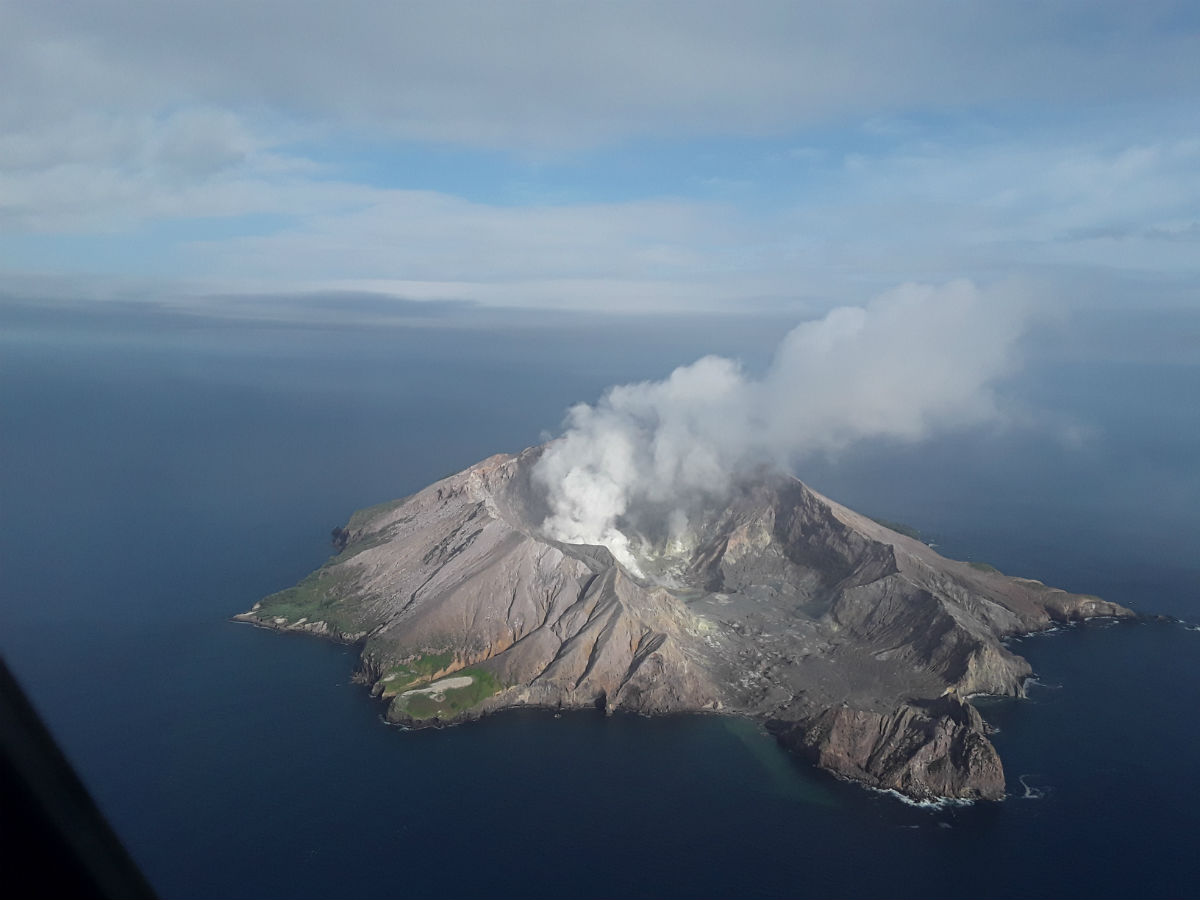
[(636, 465)]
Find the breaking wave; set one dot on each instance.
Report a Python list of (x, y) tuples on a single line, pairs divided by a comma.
[(1031, 792), (929, 803), (1034, 681)]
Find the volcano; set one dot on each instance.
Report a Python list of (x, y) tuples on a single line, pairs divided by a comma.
[(858, 647)]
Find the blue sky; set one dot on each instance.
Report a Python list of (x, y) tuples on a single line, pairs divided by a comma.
[(604, 156)]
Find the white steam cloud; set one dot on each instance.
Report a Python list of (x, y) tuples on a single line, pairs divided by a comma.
[(632, 468)]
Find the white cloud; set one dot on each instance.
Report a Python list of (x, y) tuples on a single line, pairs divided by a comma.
[(1005, 204), (108, 173), (937, 213), (118, 116), (528, 75), (428, 236)]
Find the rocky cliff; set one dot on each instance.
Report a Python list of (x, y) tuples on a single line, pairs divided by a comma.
[(857, 646)]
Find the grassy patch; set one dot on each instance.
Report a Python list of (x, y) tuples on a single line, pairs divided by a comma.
[(363, 517), (983, 567), (415, 671), (452, 702), (318, 598), (366, 542), (362, 540)]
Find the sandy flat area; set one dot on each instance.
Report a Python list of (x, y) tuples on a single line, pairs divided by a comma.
[(439, 688)]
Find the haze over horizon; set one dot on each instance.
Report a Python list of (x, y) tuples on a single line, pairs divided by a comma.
[(698, 157)]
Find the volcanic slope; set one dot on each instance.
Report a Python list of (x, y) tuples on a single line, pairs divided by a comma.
[(858, 647)]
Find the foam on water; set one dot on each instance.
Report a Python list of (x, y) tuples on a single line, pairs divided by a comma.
[(931, 803), (1031, 793)]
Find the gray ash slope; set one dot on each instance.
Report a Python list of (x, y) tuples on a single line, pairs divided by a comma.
[(857, 646)]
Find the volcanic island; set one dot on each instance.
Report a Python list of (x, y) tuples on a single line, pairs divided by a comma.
[(856, 646)]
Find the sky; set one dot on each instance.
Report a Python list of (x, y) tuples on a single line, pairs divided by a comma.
[(624, 157)]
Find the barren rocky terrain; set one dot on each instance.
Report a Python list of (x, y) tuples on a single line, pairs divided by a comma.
[(857, 646)]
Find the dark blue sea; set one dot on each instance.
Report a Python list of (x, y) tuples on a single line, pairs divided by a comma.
[(161, 469)]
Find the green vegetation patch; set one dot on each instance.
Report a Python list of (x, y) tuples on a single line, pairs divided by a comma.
[(317, 598), (355, 538), (414, 671), (357, 546), (365, 516), (449, 703)]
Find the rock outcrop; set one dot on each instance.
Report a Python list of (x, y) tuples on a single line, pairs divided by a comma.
[(931, 749), (859, 647)]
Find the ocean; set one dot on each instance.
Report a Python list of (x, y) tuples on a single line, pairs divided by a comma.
[(161, 469)]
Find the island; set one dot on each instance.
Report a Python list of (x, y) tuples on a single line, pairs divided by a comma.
[(856, 646)]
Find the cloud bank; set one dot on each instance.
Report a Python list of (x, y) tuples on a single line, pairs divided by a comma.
[(620, 156), (634, 468), (552, 75)]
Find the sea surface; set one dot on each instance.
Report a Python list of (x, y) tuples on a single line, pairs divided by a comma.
[(162, 469)]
